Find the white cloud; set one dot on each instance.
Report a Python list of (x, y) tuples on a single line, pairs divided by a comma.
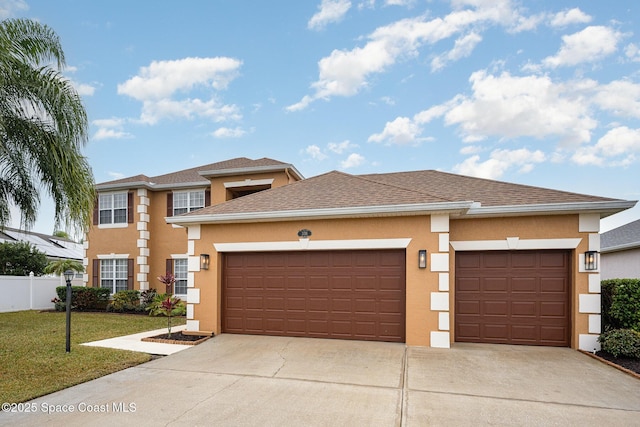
[(499, 162), (315, 152), (10, 8), (463, 48), (618, 147), (154, 111), (161, 79), (341, 147), (399, 2), (330, 11), (401, 131), (589, 45), (354, 160), (163, 85), (105, 133), (84, 89), (346, 72), (110, 129), (568, 17), (225, 132), (511, 107), (632, 52), (621, 97)]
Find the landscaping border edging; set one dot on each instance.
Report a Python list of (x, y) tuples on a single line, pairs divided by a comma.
[(605, 361), (166, 341)]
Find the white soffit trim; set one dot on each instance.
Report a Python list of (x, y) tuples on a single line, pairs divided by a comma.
[(313, 245), (406, 209), (603, 208), (512, 243), (248, 183)]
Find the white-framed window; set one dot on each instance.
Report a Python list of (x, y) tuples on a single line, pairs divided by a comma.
[(180, 270), (114, 274), (112, 208), (187, 201)]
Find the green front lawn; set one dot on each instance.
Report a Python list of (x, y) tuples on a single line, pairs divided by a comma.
[(33, 361)]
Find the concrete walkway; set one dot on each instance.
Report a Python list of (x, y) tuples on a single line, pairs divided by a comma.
[(235, 380), (133, 343)]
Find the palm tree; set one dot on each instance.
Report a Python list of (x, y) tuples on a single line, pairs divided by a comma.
[(58, 267), (43, 126)]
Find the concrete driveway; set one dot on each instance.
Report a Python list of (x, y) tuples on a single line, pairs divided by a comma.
[(235, 380)]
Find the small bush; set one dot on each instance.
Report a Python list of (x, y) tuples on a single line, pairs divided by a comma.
[(621, 342), (620, 304), (83, 298), (128, 300), (147, 297)]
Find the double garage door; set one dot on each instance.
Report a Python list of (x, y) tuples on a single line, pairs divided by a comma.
[(513, 297), (325, 294)]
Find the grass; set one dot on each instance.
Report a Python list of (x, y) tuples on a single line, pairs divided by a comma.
[(33, 360)]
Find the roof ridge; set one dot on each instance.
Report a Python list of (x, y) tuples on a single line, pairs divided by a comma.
[(403, 187)]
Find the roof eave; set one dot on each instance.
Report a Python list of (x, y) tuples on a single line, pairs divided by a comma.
[(458, 208), (152, 186), (622, 247), (604, 208), (249, 170)]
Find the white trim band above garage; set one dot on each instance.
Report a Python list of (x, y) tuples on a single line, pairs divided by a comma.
[(313, 245), (515, 243), (248, 183)]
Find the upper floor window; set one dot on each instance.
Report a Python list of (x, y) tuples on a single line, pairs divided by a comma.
[(113, 208), (187, 201)]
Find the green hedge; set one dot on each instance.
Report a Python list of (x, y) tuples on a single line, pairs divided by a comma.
[(621, 342), (83, 298), (620, 301)]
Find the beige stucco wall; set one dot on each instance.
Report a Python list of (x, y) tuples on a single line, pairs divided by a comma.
[(422, 284), (219, 192)]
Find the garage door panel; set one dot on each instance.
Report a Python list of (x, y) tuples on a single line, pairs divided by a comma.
[(515, 297), (337, 294)]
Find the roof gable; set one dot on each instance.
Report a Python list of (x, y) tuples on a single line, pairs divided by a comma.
[(194, 175)]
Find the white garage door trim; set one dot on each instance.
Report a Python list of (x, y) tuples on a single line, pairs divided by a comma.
[(313, 245), (515, 243)]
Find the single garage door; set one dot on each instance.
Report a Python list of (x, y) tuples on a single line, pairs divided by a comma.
[(356, 295), (513, 297)]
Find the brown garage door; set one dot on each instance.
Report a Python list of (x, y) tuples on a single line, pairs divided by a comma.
[(339, 294), (517, 297)]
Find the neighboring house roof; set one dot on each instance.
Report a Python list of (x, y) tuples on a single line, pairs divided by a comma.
[(199, 175), (624, 237), (340, 194), (53, 247)]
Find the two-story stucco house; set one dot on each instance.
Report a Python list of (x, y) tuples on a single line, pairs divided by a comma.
[(130, 244), (427, 258)]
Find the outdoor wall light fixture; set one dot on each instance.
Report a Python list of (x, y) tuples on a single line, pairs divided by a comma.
[(591, 260), (422, 258), (204, 261)]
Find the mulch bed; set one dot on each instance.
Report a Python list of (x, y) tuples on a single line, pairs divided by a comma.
[(625, 364), (178, 338)]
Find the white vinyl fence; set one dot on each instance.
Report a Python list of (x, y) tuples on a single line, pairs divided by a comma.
[(29, 292)]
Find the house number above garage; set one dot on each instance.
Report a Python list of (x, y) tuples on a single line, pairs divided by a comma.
[(304, 233)]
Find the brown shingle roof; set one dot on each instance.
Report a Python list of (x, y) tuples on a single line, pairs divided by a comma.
[(328, 191), (487, 192), (338, 190), (192, 175)]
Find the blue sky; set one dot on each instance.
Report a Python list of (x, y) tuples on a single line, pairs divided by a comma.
[(544, 93)]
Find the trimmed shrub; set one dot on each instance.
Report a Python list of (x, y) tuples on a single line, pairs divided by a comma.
[(83, 298), (621, 304), (123, 301), (621, 342)]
